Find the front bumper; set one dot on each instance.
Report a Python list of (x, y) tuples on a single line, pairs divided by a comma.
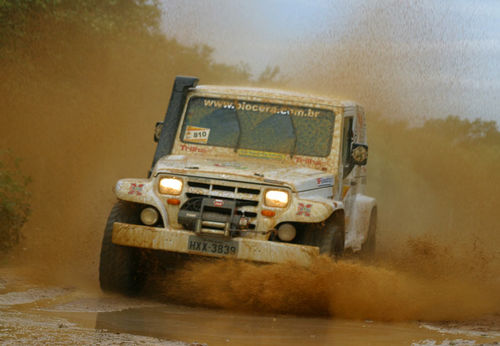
[(178, 241)]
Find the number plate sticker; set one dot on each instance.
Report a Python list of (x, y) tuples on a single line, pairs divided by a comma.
[(196, 134), (211, 246)]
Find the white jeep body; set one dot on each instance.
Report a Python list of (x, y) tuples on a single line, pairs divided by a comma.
[(240, 178)]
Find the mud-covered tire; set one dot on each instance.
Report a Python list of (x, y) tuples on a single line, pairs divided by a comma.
[(329, 236), (369, 247), (119, 267)]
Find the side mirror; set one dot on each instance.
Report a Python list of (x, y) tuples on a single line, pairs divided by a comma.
[(158, 128), (359, 154)]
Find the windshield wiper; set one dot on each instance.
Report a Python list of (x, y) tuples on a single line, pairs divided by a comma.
[(294, 148), (239, 132)]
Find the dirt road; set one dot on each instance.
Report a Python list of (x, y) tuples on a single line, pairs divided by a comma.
[(37, 313)]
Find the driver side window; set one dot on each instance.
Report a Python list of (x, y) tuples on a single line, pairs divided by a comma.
[(347, 136)]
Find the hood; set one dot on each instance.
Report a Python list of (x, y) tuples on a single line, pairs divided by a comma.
[(298, 178)]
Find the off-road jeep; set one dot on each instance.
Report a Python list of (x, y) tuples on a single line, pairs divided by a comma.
[(252, 174)]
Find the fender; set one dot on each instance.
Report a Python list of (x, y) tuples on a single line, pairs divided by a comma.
[(359, 221), (140, 191), (319, 209)]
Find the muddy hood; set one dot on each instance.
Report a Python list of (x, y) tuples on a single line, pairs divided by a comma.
[(297, 178)]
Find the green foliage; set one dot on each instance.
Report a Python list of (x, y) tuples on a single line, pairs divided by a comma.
[(14, 200), (271, 77), (16, 16), (24, 23), (72, 35)]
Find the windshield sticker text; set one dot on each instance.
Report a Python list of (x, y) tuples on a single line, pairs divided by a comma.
[(262, 108)]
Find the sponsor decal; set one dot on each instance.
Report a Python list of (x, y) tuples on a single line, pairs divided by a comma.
[(308, 161), (261, 154), (135, 189), (193, 149), (196, 134), (328, 181), (218, 203), (304, 209)]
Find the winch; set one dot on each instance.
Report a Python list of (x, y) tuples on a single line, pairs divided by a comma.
[(211, 216)]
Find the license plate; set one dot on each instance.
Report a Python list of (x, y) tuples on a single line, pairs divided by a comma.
[(211, 246)]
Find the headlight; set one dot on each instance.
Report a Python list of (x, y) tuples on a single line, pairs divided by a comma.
[(276, 198), (170, 186)]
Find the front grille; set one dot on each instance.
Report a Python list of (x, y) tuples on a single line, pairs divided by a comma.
[(218, 187), (247, 196), (240, 202)]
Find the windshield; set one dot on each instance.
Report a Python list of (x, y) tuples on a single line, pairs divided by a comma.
[(258, 126)]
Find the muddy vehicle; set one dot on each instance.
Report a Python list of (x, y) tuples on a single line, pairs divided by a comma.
[(252, 174)]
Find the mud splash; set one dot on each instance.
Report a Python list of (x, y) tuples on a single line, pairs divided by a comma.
[(428, 283)]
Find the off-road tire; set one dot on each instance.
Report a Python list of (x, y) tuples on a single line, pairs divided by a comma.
[(369, 247), (119, 267), (329, 236)]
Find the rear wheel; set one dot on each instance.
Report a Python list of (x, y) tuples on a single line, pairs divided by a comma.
[(120, 266)]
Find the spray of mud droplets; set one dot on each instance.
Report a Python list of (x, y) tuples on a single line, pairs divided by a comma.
[(342, 289), (438, 253)]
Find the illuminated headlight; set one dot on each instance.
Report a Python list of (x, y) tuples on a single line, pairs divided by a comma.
[(276, 198), (170, 186)]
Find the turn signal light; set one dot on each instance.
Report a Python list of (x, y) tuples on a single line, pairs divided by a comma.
[(173, 201), (268, 213)]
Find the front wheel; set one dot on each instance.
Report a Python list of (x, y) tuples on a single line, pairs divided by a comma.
[(119, 267)]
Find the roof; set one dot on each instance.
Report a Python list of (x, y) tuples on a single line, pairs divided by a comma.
[(272, 94)]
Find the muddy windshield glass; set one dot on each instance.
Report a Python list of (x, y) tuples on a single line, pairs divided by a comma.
[(258, 126)]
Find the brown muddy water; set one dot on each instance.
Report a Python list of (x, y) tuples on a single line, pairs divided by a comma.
[(35, 313)]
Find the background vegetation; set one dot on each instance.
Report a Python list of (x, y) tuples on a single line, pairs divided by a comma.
[(14, 201)]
